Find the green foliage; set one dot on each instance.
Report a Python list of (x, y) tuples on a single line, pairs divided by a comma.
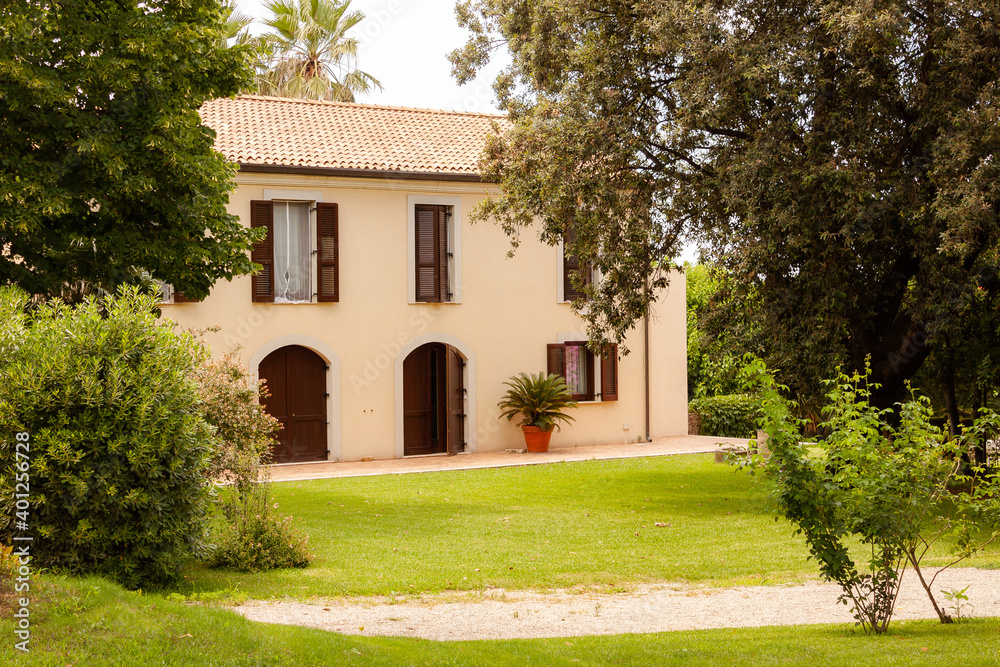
[(713, 366), (312, 56), (108, 175), (540, 399), (244, 431), (256, 539), (882, 482), (733, 416), (118, 444), (838, 160)]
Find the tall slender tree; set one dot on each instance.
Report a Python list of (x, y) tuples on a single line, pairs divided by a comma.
[(312, 55)]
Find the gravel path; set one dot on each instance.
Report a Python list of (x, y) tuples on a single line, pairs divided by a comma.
[(655, 608)]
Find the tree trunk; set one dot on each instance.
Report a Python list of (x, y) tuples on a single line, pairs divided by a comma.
[(950, 400), (945, 618)]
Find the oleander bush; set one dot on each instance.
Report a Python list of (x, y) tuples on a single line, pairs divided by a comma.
[(244, 431), (250, 536), (731, 416), (118, 443)]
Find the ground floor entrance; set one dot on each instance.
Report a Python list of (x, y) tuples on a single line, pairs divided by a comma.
[(296, 382), (433, 401)]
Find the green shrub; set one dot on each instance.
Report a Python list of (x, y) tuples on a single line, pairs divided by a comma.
[(244, 431), (732, 416), (118, 444), (256, 539)]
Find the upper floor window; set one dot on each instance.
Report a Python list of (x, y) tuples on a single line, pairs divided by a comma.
[(433, 253), (434, 248), (573, 268), (294, 270)]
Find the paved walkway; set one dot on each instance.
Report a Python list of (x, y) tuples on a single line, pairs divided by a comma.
[(675, 444)]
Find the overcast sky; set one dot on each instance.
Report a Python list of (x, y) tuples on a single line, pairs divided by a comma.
[(404, 44)]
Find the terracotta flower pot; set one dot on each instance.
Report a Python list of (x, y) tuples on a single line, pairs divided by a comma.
[(536, 439)]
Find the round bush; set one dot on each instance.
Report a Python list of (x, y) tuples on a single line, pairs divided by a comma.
[(118, 443)]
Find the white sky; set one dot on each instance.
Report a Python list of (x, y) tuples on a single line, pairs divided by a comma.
[(404, 44)]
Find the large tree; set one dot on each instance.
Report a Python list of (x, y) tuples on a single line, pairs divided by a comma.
[(312, 56), (839, 157), (107, 175)]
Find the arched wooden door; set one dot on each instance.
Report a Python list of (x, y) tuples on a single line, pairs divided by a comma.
[(433, 401), (296, 381)]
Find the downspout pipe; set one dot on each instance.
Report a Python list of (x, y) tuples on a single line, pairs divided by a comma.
[(645, 365)]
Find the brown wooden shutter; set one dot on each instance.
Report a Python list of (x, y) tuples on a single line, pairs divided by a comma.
[(556, 361), (328, 245), (262, 282), (571, 267), (609, 373), (179, 297), (432, 254), (442, 256)]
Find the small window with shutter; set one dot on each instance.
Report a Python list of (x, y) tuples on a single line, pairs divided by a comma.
[(576, 363), (431, 244), (573, 272), (290, 265)]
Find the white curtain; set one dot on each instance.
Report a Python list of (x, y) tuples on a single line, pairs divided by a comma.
[(576, 369), (291, 252)]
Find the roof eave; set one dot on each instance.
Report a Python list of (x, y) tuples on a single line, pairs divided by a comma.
[(358, 173)]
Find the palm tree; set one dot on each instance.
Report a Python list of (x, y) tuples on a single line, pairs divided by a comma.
[(312, 55)]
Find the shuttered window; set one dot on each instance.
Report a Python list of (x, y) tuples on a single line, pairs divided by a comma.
[(286, 273), (576, 364), (431, 245), (328, 261), (262, 283), (180, 297), (573, 268)]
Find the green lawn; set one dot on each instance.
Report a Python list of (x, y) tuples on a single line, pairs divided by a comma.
[(586, 524), (92, 622)]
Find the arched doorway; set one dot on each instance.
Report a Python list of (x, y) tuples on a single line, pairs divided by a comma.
[(433, 401), (296, 382)]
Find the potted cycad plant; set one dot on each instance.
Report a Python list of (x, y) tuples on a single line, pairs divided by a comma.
[(541, 400)]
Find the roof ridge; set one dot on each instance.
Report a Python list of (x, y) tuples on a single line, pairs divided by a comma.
[(355, 105)]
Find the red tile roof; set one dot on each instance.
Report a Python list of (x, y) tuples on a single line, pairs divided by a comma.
[(276, 131)]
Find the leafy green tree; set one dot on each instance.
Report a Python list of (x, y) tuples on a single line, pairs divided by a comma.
[(108, 175), (313, 56), (839, 159), (894, 484)]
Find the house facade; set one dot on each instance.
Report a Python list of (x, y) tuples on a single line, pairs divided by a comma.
[(383, 321)]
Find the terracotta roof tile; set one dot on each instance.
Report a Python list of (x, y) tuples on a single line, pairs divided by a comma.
[(339, 135)]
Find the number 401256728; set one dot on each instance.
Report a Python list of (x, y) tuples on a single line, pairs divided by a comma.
[(22, 487)]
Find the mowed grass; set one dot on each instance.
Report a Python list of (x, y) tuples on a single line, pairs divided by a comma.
[(93, 622), (588, 524)]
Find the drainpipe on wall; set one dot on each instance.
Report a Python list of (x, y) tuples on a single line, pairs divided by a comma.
[(645, 365)]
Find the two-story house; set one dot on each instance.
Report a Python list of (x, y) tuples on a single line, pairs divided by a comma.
[(383, 321)]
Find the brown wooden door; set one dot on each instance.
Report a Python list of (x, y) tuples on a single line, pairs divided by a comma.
[(296, 381), (424, 401), (456, 401)]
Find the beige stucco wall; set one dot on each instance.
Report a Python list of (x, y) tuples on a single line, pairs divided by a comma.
[(507, 315)]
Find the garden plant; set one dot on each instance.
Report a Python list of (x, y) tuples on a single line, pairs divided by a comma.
[(889, 478)]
